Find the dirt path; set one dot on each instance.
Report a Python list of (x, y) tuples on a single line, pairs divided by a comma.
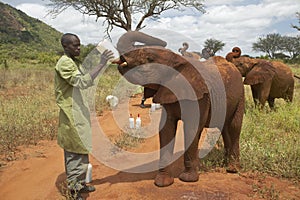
[(39, 175)]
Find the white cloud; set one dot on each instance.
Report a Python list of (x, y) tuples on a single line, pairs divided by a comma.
[(221, 2), (235, 22), (70, 20)]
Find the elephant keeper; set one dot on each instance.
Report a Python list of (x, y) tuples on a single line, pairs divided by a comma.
[(74, 129)]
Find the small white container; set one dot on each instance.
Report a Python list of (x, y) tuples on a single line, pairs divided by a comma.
[(153, 107), (112, 100), (105, 44), (157, 106), (138, 122), (131, 121), (88, 177)]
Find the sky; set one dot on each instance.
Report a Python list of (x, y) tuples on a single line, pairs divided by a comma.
[(234, 22)]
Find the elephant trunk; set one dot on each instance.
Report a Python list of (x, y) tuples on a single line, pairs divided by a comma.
[(235, 53), (127, 41), (229, 57), (183, 49)]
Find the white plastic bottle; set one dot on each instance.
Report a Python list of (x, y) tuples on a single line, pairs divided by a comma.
[(131, 121), (138, 122), (88, 177), (157, 106), (153, 107)]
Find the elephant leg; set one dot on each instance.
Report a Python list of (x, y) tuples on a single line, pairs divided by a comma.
[(191, 158), (290, 94), (231, 145), (265, 92), (193, 126), (254, 91), (262, 92), (231, 137), (167, 140)]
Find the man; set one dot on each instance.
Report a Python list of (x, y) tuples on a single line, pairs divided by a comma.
[(74, 130)]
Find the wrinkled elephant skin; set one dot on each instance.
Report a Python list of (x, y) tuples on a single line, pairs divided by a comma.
[(181, 89)]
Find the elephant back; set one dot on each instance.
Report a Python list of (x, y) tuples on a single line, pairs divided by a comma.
[(284, 77), (218, 71)]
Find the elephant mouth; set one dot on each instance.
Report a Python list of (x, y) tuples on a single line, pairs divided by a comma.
[(121, 62)]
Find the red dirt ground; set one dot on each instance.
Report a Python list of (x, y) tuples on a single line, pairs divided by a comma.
[(38, 174)]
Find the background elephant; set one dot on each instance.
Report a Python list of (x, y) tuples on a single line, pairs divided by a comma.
[(207, 53), (268, 80), (184, 94), (182, 50)]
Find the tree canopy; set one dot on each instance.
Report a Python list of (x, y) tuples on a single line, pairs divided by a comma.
[(275, 45), (269, 44), (214, 45), (121, 13), (291, 45)]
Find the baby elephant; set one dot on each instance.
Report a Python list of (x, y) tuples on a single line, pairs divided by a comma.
[(201, 94)]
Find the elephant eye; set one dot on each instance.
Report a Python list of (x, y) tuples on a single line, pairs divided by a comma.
[(122, 59)]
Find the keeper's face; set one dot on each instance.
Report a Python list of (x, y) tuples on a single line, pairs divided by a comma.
[(72, 48)]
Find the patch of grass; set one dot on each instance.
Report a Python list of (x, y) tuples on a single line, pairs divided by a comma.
[(215, 158), (270, 140), (109, 83), (106, 84), (27, 103), (129, 138), (28, 112), (265, 192), (28, 109)]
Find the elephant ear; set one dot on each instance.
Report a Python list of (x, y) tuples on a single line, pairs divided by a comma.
[(261, 72), (187, 84)]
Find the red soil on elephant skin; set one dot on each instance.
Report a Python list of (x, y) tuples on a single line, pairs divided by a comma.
[(39, 174)]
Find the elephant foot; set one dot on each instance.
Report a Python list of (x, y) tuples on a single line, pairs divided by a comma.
[(189, 175), (163, 179)]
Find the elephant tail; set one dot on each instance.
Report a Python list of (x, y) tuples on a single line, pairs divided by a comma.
[(296, 76)]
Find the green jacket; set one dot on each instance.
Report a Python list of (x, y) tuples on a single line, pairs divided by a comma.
[(74, 129)]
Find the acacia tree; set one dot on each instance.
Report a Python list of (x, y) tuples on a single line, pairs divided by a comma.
[(276, 45), (119, 13), (269, 44), (214, 45), (291, 45)]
